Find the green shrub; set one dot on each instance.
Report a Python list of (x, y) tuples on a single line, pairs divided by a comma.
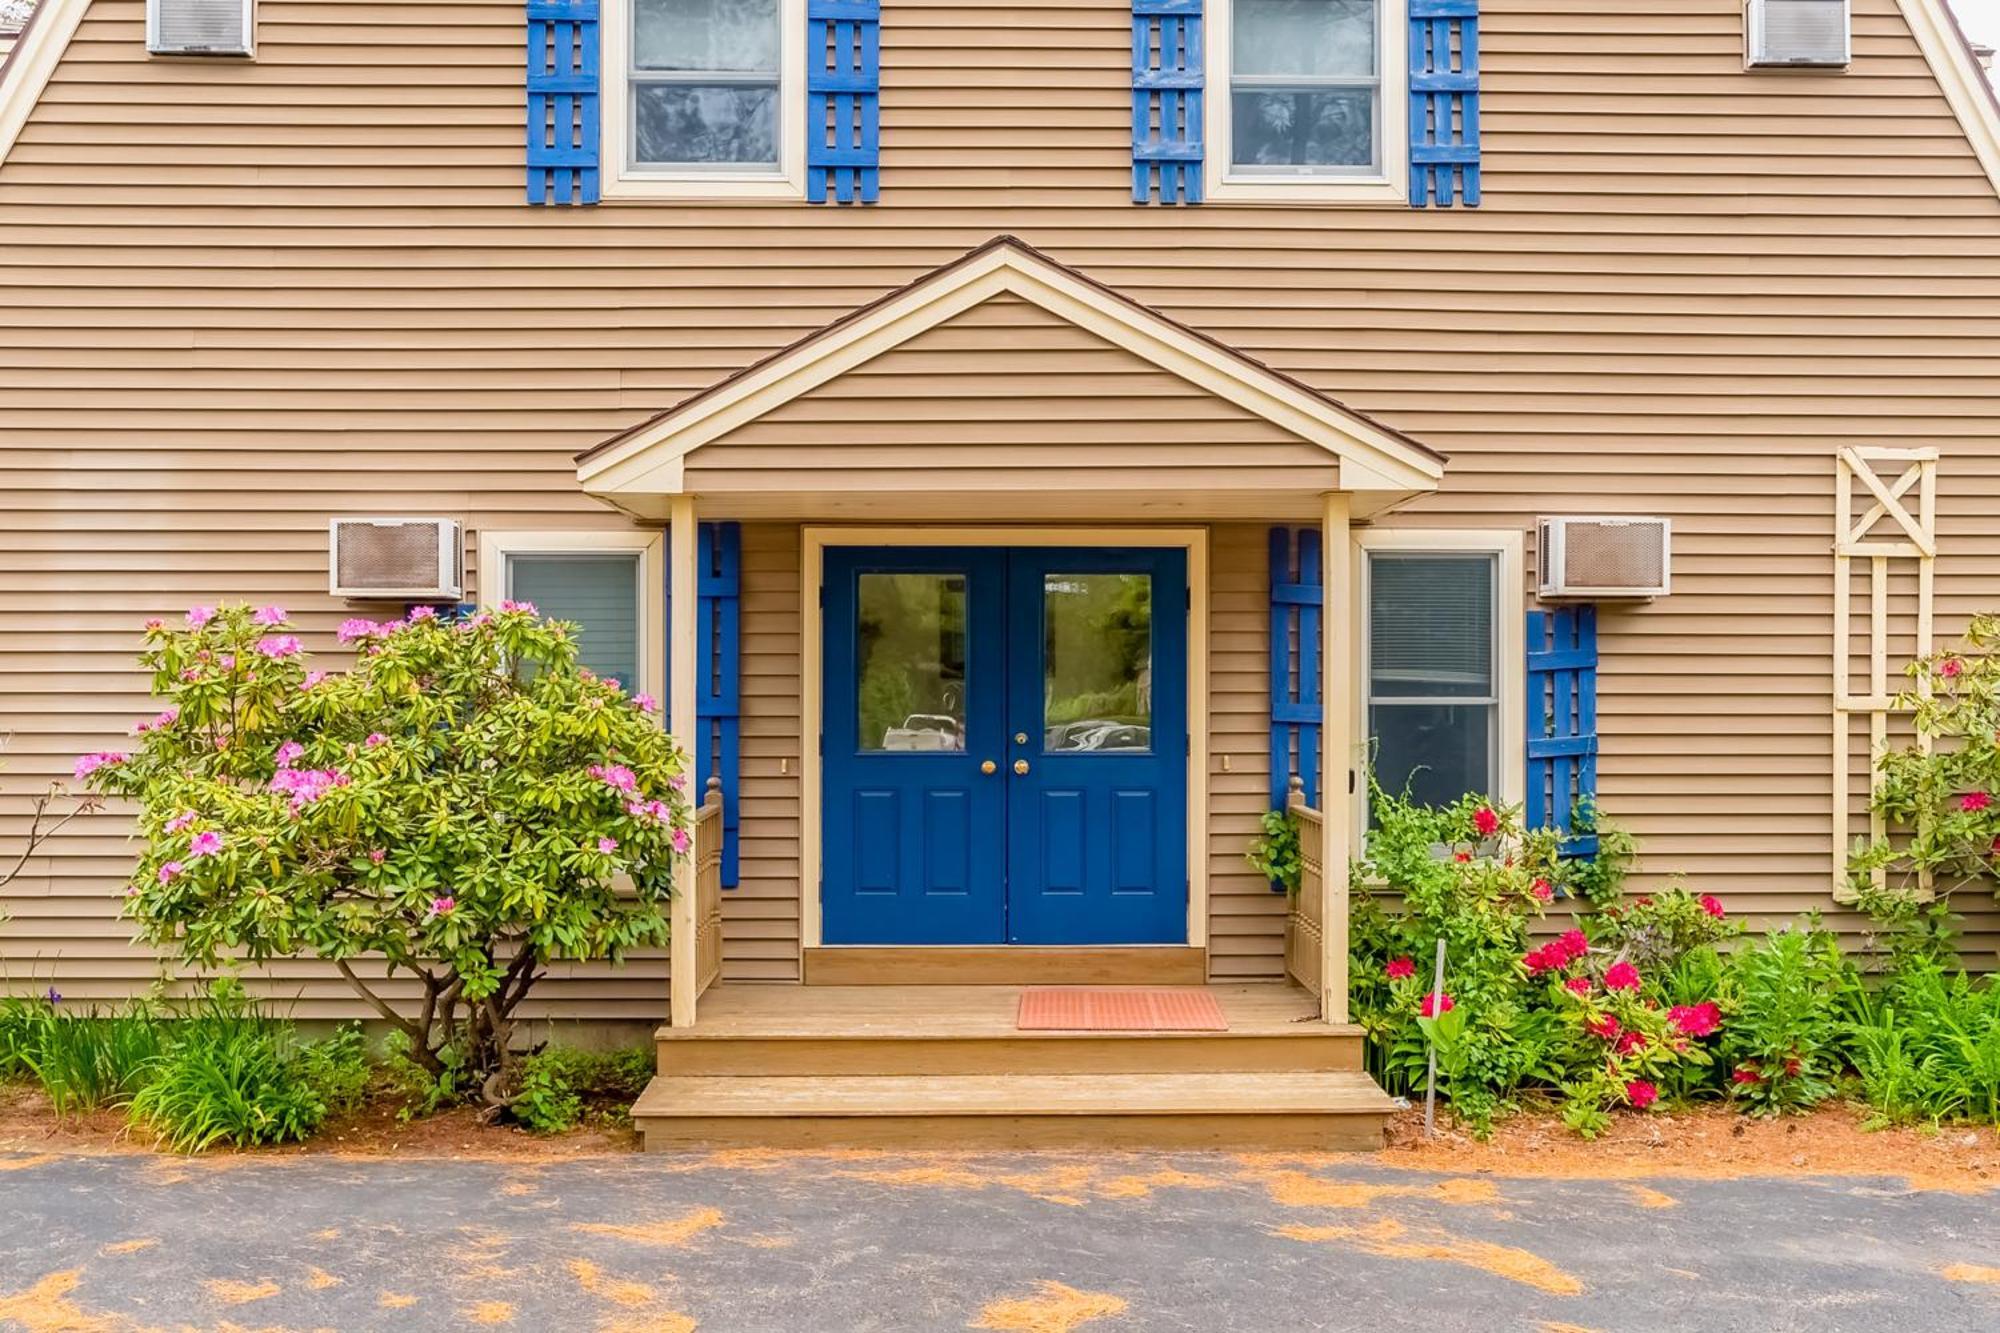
[(1927, 1046), (1784, 996), (1275, 852), (86, 1061), (246, 1084), (560, 1084)]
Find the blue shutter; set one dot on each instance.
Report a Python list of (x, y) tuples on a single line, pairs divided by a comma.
[(1296, 598), (718, 693), (843, 100), (1166, 101), (1562, 720), (562, 101), (1444, 103)]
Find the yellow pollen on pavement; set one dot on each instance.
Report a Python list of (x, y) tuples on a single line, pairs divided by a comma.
[(1055, 1308)]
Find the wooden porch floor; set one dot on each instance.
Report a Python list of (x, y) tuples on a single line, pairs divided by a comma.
[(945, 1066)]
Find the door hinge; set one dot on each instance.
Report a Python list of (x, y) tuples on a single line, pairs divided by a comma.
[(1350, 782)]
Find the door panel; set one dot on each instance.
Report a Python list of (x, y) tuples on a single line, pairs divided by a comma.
[(1097, 711), (914, 847)]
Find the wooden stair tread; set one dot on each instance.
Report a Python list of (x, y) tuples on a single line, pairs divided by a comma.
[(670, 1097)]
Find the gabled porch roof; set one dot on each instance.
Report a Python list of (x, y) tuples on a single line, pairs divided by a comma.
[(1174, 424)]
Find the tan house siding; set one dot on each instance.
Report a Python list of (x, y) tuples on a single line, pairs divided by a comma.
[(238, 298)]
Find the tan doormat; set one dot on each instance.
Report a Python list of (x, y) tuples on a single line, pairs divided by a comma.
[(1119, 1009)]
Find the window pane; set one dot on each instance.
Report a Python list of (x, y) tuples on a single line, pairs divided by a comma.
[(1442, 751), (705, 34), (1097, 663), (1430, 626), (910, 677), (1317, 37), (682, 124), (600, 593), (1332, 127)]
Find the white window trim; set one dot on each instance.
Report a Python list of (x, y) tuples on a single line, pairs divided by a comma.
[(496, 547), (620, 180), (1392, 186), (1510, 646)]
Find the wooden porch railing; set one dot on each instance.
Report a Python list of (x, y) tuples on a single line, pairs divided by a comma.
[(708, 887), (1305, 926)]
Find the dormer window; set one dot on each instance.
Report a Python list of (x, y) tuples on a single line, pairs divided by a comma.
[(707, 98), (1310, 101)]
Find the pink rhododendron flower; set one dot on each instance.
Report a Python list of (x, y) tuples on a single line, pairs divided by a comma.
[(376, 856), (1622, 976), (227, 661), (306, 785), (1485, 821), (169, 870), (1641, 1094), (1575, 944), (1542, 891), (190, 673), (180, 821), (1974, 801), (646, 703), (422, 613), (612, 683), (90, 763), (681, 841), (1435, 1004), (1713, 906), (288, 752), (356, 627), (1950, 668), (155, 625), (205, 844), (677, 781), (1578, 985), (1604, 1026), (1696, 1020), (526, 608), (198, 616), (443, 906), (607, 845), (1545, 959), (277, 646), (1630, 1042), (269, 615), (312, 678), (1398, 969), (375, 738), (616, 776)]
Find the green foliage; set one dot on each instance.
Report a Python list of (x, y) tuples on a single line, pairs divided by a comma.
[(1785, 996), (1927, 1046), (427, 1087), (231, 1076), (85, 1061), (1599, 880), (559, 1083), (1660, 929), (467, 803), (1275, 852)]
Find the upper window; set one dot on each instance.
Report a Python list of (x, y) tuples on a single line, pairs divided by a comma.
[(710, 101), (1310, 103), (607, 584)]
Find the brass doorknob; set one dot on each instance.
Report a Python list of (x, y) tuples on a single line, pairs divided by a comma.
[(988, 767), (1020, 766)]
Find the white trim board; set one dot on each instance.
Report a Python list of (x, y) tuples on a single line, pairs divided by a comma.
[(29, 66), (814, 541)]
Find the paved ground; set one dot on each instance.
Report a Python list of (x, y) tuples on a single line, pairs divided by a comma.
[(1038, 1244)]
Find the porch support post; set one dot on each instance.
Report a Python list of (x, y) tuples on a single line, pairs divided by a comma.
[(681, 637), (1336, 748)]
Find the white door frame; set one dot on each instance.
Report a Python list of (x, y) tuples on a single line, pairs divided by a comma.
[(812, 652)]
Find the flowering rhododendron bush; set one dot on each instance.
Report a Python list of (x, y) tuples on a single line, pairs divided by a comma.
[(467, 803), (1604, 1013)]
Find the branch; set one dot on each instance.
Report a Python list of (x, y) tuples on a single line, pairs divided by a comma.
[(38, 834), (381, 1007)]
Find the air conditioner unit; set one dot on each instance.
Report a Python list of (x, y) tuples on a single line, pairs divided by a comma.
[(200, 27), (1605, 559), (395, 559), (1798, 34)]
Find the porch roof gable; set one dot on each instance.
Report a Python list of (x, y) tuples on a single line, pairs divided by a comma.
[(648, 459)]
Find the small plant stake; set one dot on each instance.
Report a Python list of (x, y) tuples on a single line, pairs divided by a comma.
[(1431, 1082)]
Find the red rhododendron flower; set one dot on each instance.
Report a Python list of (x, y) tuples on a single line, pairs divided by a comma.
[(1604, 1026), (1398, 968), (1646, 900), (1461, 857), (1578, 985), (1974, 801), (1630, 1042), (1746, 1074), (1696, 1020), (1484, 820), (1792, 1067), (1641, 1094), (1713, 906), (1542, 890), (1545, 959), (1950, 667), (1622, 976), (1575, 944), (1435, 1004)]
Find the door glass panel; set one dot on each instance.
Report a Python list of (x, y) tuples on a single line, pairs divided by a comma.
[(1097, 662), (911, 666)]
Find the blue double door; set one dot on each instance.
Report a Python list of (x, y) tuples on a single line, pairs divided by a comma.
[(1005, 746)]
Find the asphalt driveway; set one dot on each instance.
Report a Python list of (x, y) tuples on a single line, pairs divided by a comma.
[(756, 1241)]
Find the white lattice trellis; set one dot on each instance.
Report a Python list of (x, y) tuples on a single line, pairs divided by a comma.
[(1887, 530)]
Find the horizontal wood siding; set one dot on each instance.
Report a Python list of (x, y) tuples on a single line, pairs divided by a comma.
[(237, 298)]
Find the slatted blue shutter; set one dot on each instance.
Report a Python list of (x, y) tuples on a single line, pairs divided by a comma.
[(843, 100), (1166, 101), (1297, 595), (718, 705), (1444, 103), (1562, 720), (563, 101)]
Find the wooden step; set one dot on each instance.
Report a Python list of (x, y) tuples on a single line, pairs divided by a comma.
[(1176, 1110)]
